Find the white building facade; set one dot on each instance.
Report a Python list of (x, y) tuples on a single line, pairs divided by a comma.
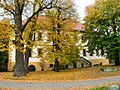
[(35, 61)]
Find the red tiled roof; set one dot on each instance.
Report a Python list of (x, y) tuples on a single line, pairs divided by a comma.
[(42, 18)]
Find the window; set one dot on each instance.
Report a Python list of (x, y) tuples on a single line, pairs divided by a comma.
[(51, 65), (82, 37), (40, 36), (84, 52), (97, 53), (91, 53), (33, 36), (39, 51)]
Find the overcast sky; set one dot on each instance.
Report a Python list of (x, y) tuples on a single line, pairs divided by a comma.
[(81, 4)]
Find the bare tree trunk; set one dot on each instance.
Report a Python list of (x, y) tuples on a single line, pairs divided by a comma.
[(27, 55), (117, 62), (74, 64), (28, 52), (56, 66), (117, 58), (19, 69)]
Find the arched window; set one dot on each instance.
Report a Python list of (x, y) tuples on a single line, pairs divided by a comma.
[(32, 68)]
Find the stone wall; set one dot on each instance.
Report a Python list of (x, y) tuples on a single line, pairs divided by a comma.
[(36, 64)]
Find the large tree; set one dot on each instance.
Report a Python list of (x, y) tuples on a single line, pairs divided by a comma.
[(63, 21), (102, 24), (18, 8)]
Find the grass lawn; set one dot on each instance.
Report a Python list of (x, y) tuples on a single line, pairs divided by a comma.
[(64, 75), (100, 88)]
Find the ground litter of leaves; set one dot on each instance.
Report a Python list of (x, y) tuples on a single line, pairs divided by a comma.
[(63, 75)]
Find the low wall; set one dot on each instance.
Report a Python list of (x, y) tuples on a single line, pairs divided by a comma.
[(36, 64), (98, 61)]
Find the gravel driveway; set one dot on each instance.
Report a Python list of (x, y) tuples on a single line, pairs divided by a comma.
[(58, 85)]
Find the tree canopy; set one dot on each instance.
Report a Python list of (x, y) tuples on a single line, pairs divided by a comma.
[(102, 23), (5, 32)]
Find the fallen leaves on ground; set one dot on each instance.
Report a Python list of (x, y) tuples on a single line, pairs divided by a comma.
[(64, 75)]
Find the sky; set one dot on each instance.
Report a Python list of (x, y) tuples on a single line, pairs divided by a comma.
[(81, 4)]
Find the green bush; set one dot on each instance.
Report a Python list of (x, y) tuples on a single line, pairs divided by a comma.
[(100, 88)]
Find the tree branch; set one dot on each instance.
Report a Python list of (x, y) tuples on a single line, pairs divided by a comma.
[(22, 5), (48, 6), (7, 7)]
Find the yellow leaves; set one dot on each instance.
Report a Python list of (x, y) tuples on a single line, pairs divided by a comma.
[(59, 31), (64, 61), (3, 47), (65, 75), (5, 32), (92, 12)]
